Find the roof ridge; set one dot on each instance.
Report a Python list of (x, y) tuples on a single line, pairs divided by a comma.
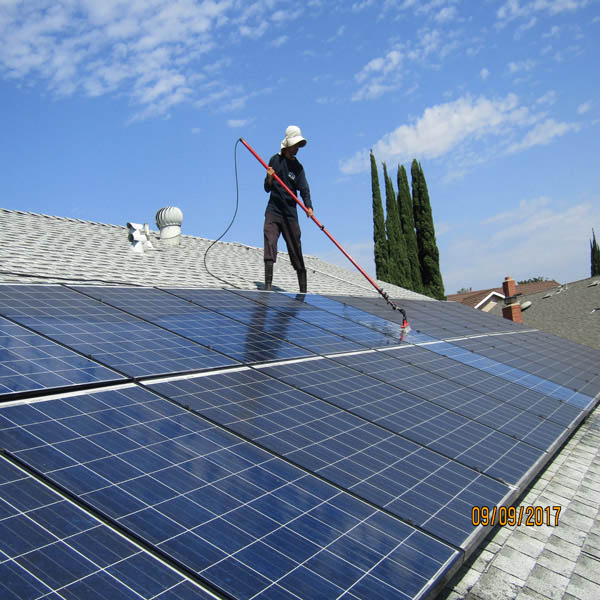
[(72, 219)]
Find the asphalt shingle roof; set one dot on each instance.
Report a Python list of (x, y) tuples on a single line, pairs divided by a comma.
[(43, 248), (565, 310)]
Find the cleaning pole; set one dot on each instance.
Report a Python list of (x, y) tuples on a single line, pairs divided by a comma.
[(380, 290)]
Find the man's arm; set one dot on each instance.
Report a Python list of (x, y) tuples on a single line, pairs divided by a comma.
[(302, 187), (269, 177)]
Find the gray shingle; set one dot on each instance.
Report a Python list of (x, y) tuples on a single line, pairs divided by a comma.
[(39, 248)]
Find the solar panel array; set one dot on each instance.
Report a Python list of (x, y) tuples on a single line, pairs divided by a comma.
[(185, 443)]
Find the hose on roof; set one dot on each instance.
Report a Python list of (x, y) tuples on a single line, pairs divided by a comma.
[(237, 202)]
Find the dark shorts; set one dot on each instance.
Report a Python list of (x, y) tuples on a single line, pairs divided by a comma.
[(290, 229)]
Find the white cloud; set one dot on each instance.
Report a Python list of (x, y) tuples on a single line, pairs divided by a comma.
[(527, 208), (443, 127), (484, 73), (385, 73), (380, 66), (523, 65), (585, 107), (534, 239), (548, 98), (152, 51), (235, 123), (277, 42), (515, 9), (542, 134), (448, 13), (553, 32)]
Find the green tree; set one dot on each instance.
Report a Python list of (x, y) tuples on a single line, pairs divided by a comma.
[(398, 266), (429, 255), (379, 239), (595, 255), (405, 208), (533, 280)]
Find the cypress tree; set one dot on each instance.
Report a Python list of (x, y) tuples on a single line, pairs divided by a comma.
[(405, 210), (429, 256), (595, 256), (397, 260), (379, 239)]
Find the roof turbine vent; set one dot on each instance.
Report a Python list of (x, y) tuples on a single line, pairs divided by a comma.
[(169, 221)]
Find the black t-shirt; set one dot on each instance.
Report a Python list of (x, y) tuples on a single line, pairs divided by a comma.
[(292, 174)]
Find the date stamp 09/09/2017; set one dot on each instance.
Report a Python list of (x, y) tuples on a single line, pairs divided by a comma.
[(530, 516)]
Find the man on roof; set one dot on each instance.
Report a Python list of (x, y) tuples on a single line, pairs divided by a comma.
[(281, 215)]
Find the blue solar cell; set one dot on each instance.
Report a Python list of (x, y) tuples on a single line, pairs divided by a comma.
[(48, 543), (213, 527), (498, 392), (537, 352), (237, 340), (282, 325), (352, 453), (427, 423), (389, 328), (348, 328), (108, 335), (29, 362), (513, 375)]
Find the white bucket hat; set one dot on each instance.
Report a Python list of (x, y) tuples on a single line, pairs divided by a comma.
[(293, 136)]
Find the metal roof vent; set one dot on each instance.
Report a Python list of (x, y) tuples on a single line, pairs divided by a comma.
[(525, 305), (139, 236), (169, 221)]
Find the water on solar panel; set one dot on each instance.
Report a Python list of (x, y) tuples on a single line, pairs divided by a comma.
[(213, 330), (283, 325)]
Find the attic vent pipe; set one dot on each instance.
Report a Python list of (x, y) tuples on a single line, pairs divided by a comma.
[(169, 221), (139, 236)]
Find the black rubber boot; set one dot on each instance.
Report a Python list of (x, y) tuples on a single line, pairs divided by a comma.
[(268, 275), (302, 281)]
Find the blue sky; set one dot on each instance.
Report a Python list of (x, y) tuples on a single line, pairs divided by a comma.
[(113, 109)]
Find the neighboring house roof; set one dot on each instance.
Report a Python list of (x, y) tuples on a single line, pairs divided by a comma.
[(520, 562), (475, 299), (565, 310)]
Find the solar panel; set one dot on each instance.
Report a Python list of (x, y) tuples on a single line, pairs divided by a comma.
[(48, 544), (110, 336), (536, 354), (530, 352), (512, 374), (440, 320), (325, 470), (367, 319), (282, 325), (475, 380), (347, 328), (29, 362), (241, 519), (376, 464), (455, 436), (236, 340), (412, 416)]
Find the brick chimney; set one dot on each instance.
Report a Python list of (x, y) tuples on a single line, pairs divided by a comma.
[(511, 309)]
